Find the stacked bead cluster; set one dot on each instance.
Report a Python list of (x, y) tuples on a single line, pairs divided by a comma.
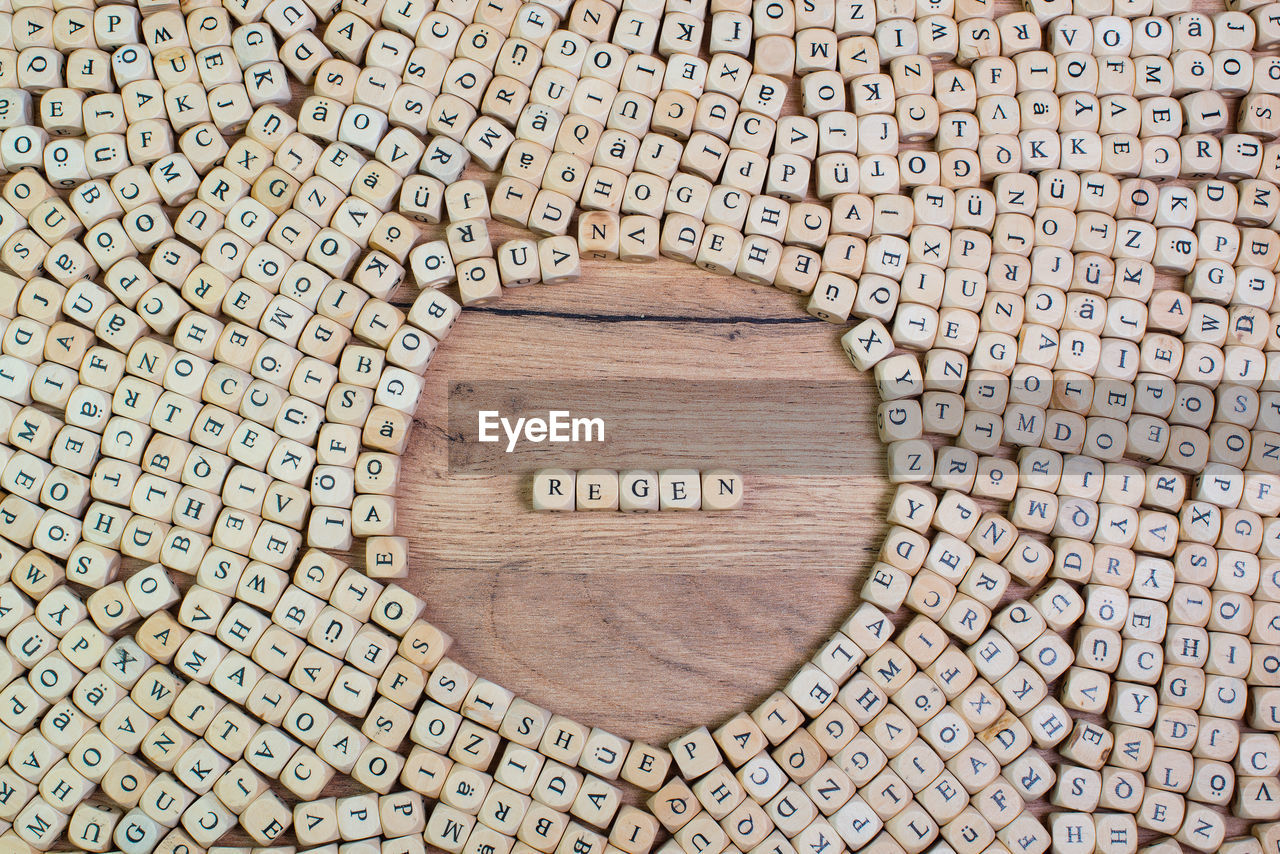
[(1055, 231)]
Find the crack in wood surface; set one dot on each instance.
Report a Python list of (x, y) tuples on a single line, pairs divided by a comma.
[(643, 318)]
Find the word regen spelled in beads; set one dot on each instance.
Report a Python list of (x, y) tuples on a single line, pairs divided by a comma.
[(635, 491)]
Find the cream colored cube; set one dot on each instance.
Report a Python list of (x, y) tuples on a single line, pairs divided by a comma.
[(638, 491), (597, 489), (680, 489), (721, 489), (554, 489)]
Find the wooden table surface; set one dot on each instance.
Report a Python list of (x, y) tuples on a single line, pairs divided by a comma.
[(644, 625)]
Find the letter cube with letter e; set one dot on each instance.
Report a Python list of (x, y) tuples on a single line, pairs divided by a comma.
[(597, 489), (680, 489)]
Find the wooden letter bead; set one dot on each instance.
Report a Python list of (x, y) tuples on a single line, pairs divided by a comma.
[(479, 281), (680, 489), (638, 491), (721, 490), (597, 489), (518, 263), (555, 489), (266, 818)]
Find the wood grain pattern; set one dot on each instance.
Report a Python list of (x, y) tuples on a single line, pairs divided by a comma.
[(645, 626)]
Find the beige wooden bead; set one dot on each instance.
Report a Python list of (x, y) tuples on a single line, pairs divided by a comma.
[(597, 489), (599, 235), (638, 491), (518, 263), (721, 490), (680, 489), (555, 489)]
